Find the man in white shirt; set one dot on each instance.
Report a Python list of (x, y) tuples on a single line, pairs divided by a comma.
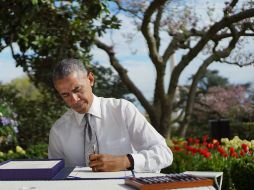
[(125, 139)]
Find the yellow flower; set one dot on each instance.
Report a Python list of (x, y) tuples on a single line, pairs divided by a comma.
[(1, 115), (224, 140), (1, 154), (10, 152), (252, 143), (20, 150), (236, 138)]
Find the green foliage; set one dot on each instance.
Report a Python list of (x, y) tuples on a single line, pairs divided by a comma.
[(35, 114), (242, 173), (37, 108), (108, 84), (8, 127), (38, 151), (47, 31), (233, 157), (25, 88), (245, 130), (212, 79), (188, 162)]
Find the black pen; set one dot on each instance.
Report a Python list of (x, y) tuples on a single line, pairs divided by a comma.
[(133, 174)]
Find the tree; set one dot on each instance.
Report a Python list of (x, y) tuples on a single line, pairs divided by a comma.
[(46, 31), (199, 116), (214, 42), (42, 32), (218, 102), (29, 105), (211, 79), (39, 34)]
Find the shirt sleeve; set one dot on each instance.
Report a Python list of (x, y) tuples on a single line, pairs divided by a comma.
[(152, 154), (55, 146)]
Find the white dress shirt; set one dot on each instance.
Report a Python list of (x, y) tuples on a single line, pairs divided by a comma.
[(120, 128)]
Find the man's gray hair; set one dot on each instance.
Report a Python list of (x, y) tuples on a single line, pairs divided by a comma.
[(66, 67)]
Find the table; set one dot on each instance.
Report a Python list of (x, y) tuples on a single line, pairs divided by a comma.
[(87, 184), (117, 184), (216, 176)]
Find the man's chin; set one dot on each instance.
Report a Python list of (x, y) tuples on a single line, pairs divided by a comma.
[(80, 110)]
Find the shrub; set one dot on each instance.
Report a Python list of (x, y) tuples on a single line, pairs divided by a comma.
[(8, 128), (204, 155), (38, 151), (245, 130), (36, 113), (242, 173)]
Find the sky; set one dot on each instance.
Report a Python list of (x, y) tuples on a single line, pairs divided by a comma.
[(133, 55)]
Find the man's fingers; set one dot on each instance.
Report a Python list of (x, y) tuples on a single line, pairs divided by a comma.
[(97, 167), (93, 157), (94, 163)]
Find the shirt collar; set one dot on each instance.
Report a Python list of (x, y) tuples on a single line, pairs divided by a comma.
[(94, 110)]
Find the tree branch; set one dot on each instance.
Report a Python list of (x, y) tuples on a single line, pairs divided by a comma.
[(237, 64), (202, 69), (151, 41), (134, 13), (228, 9), (157, 27), (3, 47), (186, 59), (177, 42), (125, 78)]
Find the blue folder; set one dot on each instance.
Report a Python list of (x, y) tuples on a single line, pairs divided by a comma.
[(46, 173)]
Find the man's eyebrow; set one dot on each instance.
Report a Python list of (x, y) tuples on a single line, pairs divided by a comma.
[(76, 88)]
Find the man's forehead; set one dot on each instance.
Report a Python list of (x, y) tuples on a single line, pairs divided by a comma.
[(71, 81)]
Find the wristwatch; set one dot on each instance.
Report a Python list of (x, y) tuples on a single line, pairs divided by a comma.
[(131, 160)]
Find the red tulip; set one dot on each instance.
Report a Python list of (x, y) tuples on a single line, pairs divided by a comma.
[(245, 147)]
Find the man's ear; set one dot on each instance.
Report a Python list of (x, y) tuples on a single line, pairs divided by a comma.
[(90, 77)]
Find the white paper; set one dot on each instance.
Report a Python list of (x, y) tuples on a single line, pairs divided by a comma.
[(86, 172), (29, 164)]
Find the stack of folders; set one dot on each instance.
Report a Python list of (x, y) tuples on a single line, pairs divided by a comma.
[(169, 181), (31, 169)]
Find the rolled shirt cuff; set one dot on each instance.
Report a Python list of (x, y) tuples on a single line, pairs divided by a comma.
[(139, 162)]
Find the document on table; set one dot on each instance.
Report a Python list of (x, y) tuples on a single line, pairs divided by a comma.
[(87, 173)]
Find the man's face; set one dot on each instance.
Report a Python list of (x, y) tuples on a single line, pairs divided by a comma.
[(76, 90)]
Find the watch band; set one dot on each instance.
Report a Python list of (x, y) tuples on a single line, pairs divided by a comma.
[(131, 160)]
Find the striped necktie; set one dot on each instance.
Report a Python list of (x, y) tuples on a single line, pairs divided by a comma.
[(90, 139)]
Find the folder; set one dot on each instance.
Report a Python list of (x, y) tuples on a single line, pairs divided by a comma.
[(30, 169)]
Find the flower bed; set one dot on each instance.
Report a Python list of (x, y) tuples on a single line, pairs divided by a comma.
[(9, 144), (212, 155), (8, 128)]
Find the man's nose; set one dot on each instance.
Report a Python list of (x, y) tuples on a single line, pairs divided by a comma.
[(74, 98)]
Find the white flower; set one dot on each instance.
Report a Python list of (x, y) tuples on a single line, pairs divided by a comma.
[(1, 115), (16, 130)]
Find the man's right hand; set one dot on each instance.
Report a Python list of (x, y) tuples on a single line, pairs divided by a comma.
[(108, 162)]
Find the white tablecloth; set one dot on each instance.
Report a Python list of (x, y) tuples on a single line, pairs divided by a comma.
[(116, 184)]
